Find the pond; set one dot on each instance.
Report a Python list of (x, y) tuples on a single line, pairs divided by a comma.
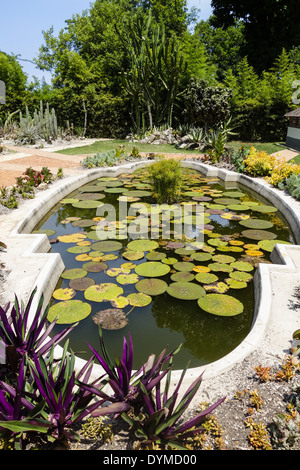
[(169, 275)]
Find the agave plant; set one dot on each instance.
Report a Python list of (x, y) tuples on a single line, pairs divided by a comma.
[(21, 336), (161, 423), (19, 411), (59, 387), (126, 385)]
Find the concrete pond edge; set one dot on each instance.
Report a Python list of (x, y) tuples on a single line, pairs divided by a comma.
[(36, 247)]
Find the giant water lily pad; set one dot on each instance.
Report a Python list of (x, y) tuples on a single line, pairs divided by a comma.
[(111, 319), (107, 246), (81, 284), (268, 245), (222, 267), (151, 286), (94, 267), (234, 284), (184, 266), (259, 234), (127, 278), (242, 276), (223, 259), (155, 255), (183, 276), (114, 272), (46, 231), (83, 223), (221, 304), (201, 257), (138, 193), (79, 249), (94, 196), (74, 273), (206, 278), (64, 294), (87, 204), (219, 287), (256, 224), (142, 245), (265, 209), (72, 238), (185, 290), (242, 266), (103, 292), (139, 300), (70, 311), (120, 302), (152, 269), (233, 194), (133, 255)]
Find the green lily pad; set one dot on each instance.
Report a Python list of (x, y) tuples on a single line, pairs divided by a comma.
[(46, 231), (103, 292), (184, 266), (138, 193), (139, 300), (83, 223), (107, 246), (81, 284), (233, 194), (94, 196), (79, 249), (120, 302), (241, 276), (185, 290), (64, 294), (242, 266), (133, 255), (227, 201), (264, 209), (259, 234), (69, 200), (201, 257), (183, 276), (268, 245), (94, 267), (151, 286), (152, 269), (169, 261), (221, 304), (74, 273), (234, 284), (111, 319), (223, 259), (114, 272), (206, 278), (127, 278), (155, 255), (87, 204), (256, 224), (238, 207), (222, 267), (142, 245), (69, 311)]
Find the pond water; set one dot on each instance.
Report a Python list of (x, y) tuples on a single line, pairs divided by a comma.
[(179, 275)]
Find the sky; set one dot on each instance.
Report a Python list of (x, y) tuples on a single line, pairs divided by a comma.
[(22, 23)]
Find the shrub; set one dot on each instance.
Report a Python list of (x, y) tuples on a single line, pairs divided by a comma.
[(282, 171), (166, 180), (259, 163)]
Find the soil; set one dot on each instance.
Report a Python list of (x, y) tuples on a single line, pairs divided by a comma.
[(238, 384)]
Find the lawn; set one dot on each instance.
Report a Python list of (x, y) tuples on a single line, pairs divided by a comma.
[(105, 145)]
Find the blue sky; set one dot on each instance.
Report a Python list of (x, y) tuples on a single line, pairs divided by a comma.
[(22, 23)]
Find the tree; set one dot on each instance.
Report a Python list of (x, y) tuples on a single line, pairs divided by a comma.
[(270, 26), (11, 73)]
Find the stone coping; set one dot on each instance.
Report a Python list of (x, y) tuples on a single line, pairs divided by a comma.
[(286, 256)]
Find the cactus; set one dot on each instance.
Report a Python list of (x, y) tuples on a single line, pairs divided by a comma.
[(42, 125)]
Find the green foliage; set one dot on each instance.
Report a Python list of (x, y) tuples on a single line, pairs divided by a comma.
[(42, 125), (110, 157), (166, 176), (292, 185)]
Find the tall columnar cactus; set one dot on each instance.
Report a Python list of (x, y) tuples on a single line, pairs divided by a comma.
[(42, 125)]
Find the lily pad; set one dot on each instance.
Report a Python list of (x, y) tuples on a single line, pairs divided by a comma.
[(238, 207), (107, 246), (185, 290), (111, 319), (256, 224), (81, 284), (83, 223), (206, 278), (79, 249), (242, 266), (219, 287), (201, 257), (94, 267), (223, 259), (120, 302), (234, 284), (133, 255), (268, 245), (72, 238), (259, 234), (222, 267), (233, 194), (46, 231), (155, 255), (69, 311), (142, 245), (74, 273), (152, 269), (87, 204), (184, 266), (183, 276), (264, 209), (221, 304), (241, 276), (139, 300), (169, 261), (103, 292), (151, 286), (64, 294), (114, 272), (127, 278)]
